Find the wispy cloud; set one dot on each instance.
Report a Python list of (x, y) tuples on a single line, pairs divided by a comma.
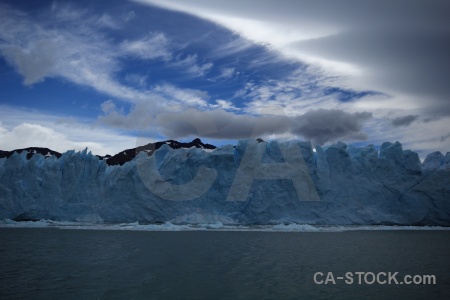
[(225, 74), (75, 51), (386, 46), (162, 98), (185, 97), (153, 46), (190, 65), (107, 21), (297, 93), (82, 54), (265, 61)]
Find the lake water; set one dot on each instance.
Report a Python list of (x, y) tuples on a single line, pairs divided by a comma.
[(51, 263)]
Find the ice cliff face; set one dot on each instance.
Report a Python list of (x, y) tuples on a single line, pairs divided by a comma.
[(252, 183)]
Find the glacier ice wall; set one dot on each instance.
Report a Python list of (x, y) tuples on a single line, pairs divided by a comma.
[(339, 184)]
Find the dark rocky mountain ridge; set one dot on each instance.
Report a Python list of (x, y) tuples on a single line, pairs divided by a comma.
[(119, 158)]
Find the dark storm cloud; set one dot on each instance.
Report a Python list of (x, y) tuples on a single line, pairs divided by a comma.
[(220, 124), (363, 12), (414, 63), (445, 137), (319, 126), (405, 120), (322, 125)]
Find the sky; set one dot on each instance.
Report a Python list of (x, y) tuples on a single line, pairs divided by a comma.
[(112, 75)]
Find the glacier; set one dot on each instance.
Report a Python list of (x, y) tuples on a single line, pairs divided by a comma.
[(252, 183)]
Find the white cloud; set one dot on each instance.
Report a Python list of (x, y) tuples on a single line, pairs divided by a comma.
[(34, 63), (136, 80), (227, 72), (139, 118), (22, 128), (80, 53), (226, 105), (108, 106), (33, 135), (26, 135)]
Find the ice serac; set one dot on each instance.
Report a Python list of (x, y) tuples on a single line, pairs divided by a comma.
[(354, 185)]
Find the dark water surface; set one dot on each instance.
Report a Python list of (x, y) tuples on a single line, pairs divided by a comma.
[(98, 264)]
